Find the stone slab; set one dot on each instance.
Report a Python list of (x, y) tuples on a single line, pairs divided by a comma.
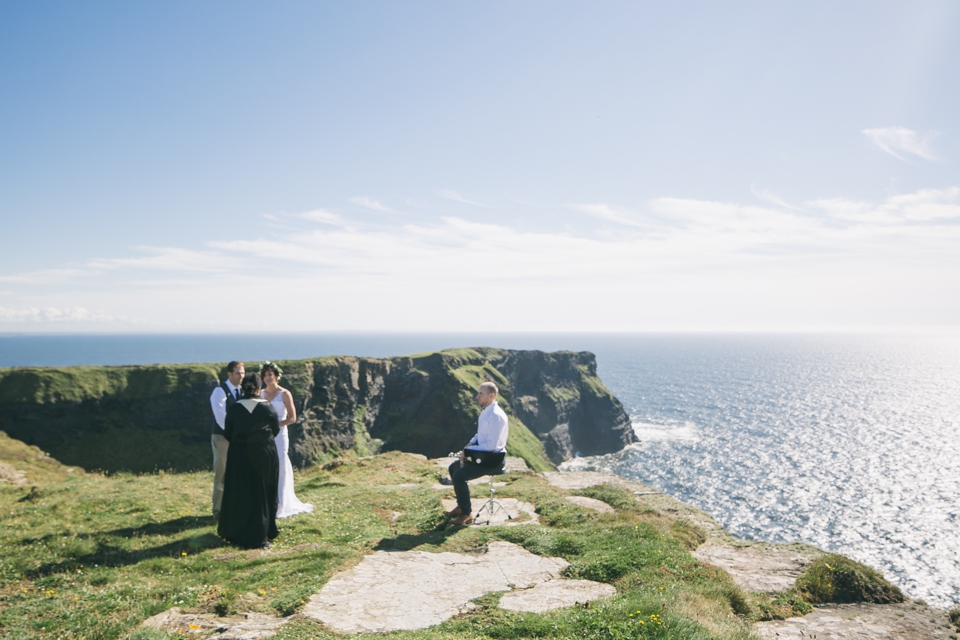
[(575, 480), (766, 568), (509, 514), (243, 626), (407, 590), (9, 473), (907, 621), (555, 595)]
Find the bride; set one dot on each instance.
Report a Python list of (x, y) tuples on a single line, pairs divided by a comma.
[(287, 502)]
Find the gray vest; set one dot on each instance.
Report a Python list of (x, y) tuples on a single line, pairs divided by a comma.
[(231, 400)]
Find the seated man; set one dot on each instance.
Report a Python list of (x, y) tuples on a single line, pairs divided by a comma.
[(483, 455)]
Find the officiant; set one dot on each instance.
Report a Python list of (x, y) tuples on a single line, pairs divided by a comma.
[(248, 517), (484, 454)]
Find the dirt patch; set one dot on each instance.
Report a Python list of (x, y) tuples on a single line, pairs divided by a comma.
[(907, 621)]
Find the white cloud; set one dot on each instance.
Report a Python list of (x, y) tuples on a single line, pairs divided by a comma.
[(684, 261), (369, 203), (450, 194), (900, 142)]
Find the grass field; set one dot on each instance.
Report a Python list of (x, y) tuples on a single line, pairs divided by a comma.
[(92, 556)]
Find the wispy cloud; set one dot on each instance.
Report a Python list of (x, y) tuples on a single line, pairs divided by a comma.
[(48, 315), (773, 199), (324, 216), (450, 194), (900, 142), (168, 259), (370, 203), (608, 212), (680, 258)]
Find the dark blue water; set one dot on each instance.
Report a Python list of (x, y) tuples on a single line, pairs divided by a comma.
[(848, 442)]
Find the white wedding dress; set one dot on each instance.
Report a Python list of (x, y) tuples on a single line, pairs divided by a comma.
[(287, 502)]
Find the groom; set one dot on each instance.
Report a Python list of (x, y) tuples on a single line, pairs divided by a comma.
[(222, 398), (483, 455)]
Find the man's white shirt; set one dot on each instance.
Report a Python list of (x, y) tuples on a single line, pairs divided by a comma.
[(218, 402), (491, 429)]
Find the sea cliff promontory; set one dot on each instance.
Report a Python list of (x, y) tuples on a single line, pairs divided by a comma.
[(157, 417)]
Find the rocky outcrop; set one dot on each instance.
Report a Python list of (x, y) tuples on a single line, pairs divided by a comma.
[(150, 417)]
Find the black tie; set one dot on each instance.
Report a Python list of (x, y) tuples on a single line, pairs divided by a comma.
[(236, 393)]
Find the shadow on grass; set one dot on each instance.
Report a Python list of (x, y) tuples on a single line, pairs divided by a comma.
[(109, 555), (170, 527), (409, 541)]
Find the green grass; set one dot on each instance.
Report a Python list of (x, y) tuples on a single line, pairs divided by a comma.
[(91, 556), (835, 578)]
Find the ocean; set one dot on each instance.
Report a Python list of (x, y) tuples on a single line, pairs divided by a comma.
[(848, 442)]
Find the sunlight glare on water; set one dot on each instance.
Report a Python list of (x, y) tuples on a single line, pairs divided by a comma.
[(848, 443)]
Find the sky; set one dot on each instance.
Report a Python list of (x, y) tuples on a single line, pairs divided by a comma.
[(496, 166)]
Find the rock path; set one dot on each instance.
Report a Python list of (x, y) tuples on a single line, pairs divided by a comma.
[(766, 568), (408, 590), (244, 626), (769, 567), (907, 621), (392, 591)]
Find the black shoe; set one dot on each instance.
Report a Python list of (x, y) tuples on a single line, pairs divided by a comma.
[(446, 481)]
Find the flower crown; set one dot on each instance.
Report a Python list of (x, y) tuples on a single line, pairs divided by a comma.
[(272, 365)]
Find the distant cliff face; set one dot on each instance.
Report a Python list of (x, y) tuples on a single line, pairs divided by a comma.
[(145, 418)]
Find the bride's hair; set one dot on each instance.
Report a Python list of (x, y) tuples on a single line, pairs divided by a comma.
[(272, 366), (251, 383)]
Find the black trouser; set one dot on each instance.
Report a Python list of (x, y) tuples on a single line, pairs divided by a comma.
[(461, 474)]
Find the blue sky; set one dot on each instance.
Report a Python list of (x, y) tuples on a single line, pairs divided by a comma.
[(479, 166)]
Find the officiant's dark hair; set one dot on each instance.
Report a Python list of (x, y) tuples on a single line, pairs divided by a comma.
[(232, 365), (251, 383)]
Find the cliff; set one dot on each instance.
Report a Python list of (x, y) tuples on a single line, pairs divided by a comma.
[(157, 417)]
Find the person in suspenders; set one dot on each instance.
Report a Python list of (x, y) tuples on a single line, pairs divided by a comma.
[(223, 397)]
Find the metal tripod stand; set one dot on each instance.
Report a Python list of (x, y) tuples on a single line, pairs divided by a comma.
[(491, 506)]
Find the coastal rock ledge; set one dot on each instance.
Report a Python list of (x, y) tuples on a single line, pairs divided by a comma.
[(145, 418)]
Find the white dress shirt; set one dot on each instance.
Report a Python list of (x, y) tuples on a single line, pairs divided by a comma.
[(218, 402), (491, 429)]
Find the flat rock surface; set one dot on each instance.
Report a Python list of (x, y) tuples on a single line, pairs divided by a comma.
[(907, 621), (591, 503), (243, 626), (556, 594), (574, 480), (510, 512), (9, 473), (760, 567), (646, 495), (405, 590)]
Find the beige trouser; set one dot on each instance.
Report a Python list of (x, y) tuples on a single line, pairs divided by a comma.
[(220, 446)]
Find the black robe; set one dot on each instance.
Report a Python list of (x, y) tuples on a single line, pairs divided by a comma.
[(248, 517)]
